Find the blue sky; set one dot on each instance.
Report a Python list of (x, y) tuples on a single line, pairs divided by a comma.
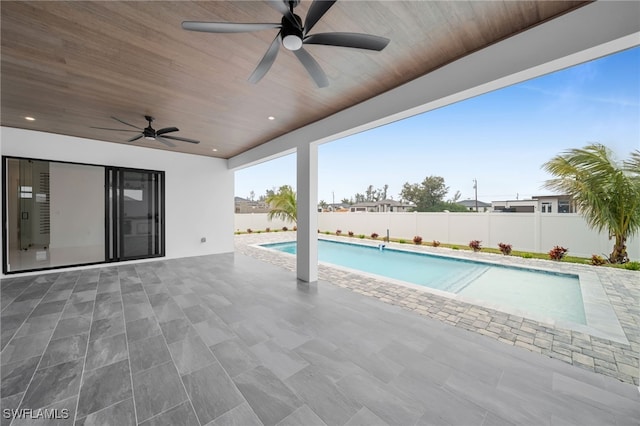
[(501, 138)]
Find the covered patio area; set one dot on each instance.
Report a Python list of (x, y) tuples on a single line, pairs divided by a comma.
[(229, 339)]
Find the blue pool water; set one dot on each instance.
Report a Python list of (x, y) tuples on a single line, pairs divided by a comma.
[(550, 295)]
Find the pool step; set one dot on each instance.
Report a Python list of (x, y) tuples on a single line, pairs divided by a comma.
[(461, 281)]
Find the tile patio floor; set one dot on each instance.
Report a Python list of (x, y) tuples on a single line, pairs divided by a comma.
[(231, 340)]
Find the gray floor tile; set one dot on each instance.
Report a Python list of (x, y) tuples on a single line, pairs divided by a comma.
[(190, 353), (24, 307), (63, 414), (120, 414), (17, 375), (134, 297), (197, 313), (105, 327), (235, 357), (182, 414), (64, 349), (242, 415), (71, 326), (282, 362), (159, 299), (5, 337), (106, 310), (325, 356), (366, 417), (106, 351), (213, 331), (103, 387), (142, 328), (176, 329), (267, 395), (168, 311), (186, 298), (322, 396), (25, 347), (72, 310), (53, 296), (108, 297), (156, 390), (84, 296), (493, 420), (9, 403), (147, 353), (212, 392), (302, 416), (14, 321), (108, 286), (137, 311), (132, 288), (379, 398), (53, 384), (38, 324)]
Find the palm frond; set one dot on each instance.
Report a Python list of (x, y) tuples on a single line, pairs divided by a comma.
[(607, 193)]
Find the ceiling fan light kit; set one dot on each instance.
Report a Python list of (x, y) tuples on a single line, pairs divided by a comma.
[(293, 35)]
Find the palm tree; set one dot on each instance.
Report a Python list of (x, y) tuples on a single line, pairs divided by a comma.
[(607, 193), (283, 204)]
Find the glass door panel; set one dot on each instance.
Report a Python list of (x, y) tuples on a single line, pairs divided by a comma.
[(140, 215)]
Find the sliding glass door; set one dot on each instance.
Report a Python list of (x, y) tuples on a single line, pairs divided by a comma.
[(59, 214), (137, 213)]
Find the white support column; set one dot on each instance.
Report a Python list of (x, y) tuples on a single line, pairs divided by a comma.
[(307, 220)]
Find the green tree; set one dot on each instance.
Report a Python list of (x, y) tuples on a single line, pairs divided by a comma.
[(426, 195), (606, 192), (283, 204)]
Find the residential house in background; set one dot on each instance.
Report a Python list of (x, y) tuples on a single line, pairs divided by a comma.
[(540, 203), (471, 205), (381, 206), (242, 205)]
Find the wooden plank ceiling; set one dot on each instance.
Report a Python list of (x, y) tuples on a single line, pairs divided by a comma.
[(73, 64)]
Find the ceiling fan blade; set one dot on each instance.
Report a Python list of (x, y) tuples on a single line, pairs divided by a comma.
[(312, 67), (178, 138), (227, 27), (124, 122), (119, 130), (166, 130), (267, 60), (135, 138), (164, 141), (281, 7), (316, 11), (355, 40)]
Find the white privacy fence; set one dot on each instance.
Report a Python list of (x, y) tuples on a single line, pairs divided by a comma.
[(535, 232)]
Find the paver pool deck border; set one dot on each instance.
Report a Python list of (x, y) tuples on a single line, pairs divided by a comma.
[(609, 344)]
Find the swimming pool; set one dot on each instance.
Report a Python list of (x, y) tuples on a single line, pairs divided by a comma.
[(551, 295)]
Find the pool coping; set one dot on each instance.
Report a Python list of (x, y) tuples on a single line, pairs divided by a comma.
[(600, 317), (583, 350)]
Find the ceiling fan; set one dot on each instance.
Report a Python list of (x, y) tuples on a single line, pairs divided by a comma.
[(293, 35), (150, 133)]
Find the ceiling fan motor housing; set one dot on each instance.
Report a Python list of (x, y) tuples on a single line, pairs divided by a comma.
[(292, 35), (149, 132)]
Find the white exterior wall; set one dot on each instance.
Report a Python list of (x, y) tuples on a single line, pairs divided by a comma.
[(536, 232), (199, 190)]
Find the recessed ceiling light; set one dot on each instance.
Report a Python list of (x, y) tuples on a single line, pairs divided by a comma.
[(271, 117), (30, 119), (215, 150)]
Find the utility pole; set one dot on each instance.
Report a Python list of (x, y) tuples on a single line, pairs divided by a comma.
[(475, 188)]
